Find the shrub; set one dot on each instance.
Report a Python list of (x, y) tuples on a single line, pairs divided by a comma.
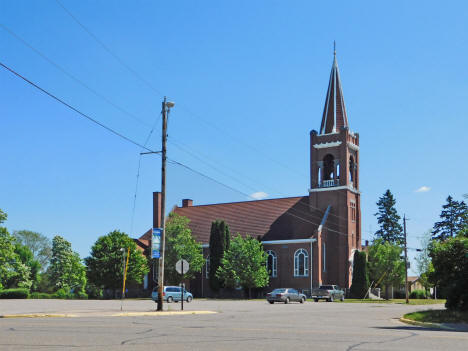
[(63, 294), (93, 291), (418, 294), (40, 295), (14, 293), (81, 295), (360, 282), (399, 294)]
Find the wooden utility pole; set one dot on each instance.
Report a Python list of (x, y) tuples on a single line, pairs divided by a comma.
[(406, 260), (163, 203)]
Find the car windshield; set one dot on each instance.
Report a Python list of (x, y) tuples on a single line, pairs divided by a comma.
[(326, 287), (278, 291)]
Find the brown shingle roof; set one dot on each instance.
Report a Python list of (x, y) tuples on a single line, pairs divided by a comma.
[(273, 219)]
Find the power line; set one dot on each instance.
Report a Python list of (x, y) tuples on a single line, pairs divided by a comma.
[(109, 51), (71, 76), (113, 131), (159, 94), (138, 177), (140, 145), (74, 109)]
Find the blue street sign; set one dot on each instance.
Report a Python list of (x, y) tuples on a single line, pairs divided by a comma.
[(156, 243)]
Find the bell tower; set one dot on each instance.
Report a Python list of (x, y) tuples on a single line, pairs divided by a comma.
[(334, 182)]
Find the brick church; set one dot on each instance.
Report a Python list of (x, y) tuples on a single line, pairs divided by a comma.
[(309, 240)]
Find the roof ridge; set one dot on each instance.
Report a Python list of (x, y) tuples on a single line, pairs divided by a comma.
[(247, 201)]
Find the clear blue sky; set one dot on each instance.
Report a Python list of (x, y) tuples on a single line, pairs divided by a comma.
[(249, 80)]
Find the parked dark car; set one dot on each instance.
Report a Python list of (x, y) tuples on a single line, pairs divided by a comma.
[(285, 295)]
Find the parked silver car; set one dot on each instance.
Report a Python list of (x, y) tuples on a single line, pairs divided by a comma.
[(285, 295)]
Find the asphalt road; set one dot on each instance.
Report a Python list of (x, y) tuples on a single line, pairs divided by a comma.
[(238, 325)]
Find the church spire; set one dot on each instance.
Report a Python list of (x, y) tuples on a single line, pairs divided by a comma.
[(334, 113)]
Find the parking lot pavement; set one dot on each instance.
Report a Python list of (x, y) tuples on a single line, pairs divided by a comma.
[(249, 325)]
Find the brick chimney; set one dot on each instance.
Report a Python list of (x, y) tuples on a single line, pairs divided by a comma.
[(156, 210), (187, 202)]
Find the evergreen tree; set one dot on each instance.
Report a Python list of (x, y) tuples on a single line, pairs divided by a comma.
[(454, 218), (219, 242), (360, 282), (388, 219)]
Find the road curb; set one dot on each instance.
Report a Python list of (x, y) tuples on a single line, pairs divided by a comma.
[(121, 314), (38, 315), (425, 324)]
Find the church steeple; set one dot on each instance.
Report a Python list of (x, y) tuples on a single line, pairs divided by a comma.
[(334, 113)]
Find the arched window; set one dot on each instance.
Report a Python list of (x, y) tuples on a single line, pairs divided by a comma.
[(272, 263), (351, 169), (301, 263), (329, 167), (207, 267)]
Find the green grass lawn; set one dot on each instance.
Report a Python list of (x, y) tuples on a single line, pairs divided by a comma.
[(438, 316), (399, 301)]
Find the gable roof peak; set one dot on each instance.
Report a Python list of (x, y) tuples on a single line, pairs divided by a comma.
[(334, 112)]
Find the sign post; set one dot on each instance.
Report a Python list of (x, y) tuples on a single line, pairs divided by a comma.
[(182, 267), (156, 243)]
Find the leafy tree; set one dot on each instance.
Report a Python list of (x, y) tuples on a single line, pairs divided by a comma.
[(44, 284), (180, 244), (3, 216), (388, 219), (360, 282), (26, 257), (105, 265), (423, 261), (450, 260), (385, 265), (66, 270), (13, 273), (454, 218), (219, 243), (244, 265), (39, 245)]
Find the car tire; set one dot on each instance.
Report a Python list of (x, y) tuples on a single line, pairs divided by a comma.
[(169, 299), (330, 299), (287, 300), (342, 298), (271, 302), (302, 300), (316, 300), (189, 299)]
